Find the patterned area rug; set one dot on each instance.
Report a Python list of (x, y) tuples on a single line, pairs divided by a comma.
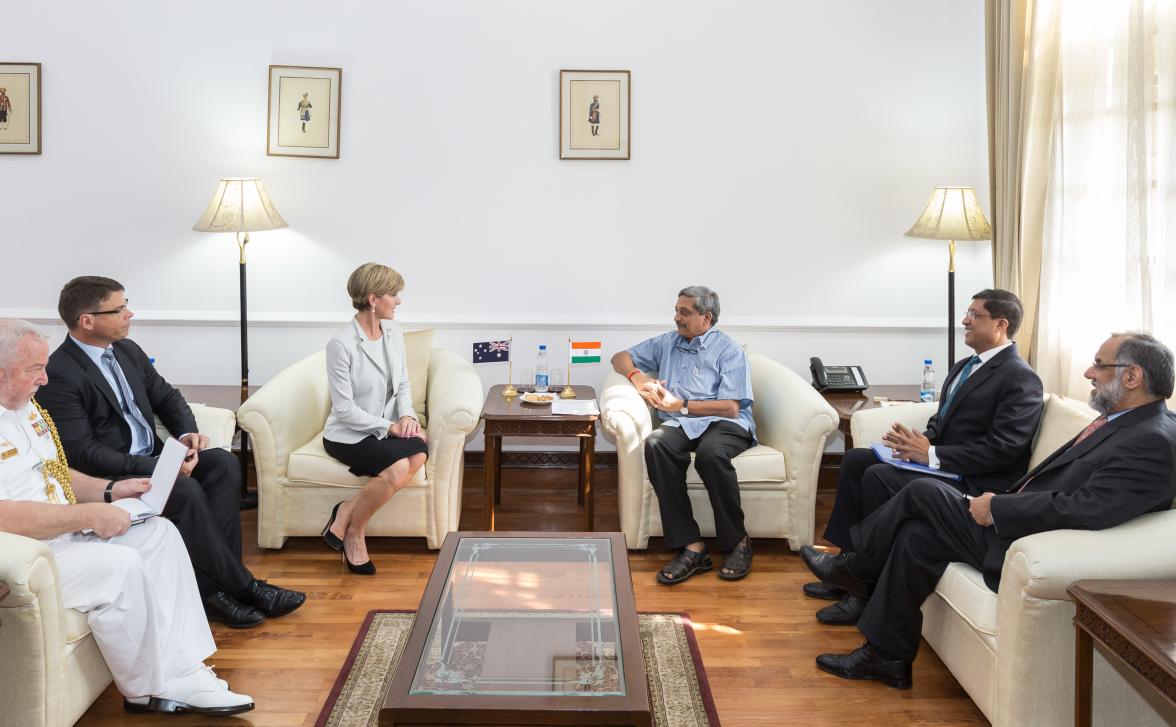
[(678, 690)]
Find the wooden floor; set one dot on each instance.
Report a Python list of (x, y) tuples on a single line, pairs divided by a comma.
[(758, 637)]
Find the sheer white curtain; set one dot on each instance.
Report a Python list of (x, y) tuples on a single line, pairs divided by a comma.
[(1108, 228)]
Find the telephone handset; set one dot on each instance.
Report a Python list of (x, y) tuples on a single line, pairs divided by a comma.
[(837, 378)]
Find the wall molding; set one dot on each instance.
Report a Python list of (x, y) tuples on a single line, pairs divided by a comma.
[(478, 320)]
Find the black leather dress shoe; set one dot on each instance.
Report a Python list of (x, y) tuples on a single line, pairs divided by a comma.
[(222, 607), (845, 612), (823, 591), (834, 571), (272, 600), (866, 662)]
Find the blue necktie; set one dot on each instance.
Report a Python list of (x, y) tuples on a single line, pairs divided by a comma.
[(132, 413), (958, 383)]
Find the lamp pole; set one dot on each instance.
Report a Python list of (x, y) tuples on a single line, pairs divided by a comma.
[(950, 305)]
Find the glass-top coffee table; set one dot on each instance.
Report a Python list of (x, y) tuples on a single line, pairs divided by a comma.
[(524, 628)]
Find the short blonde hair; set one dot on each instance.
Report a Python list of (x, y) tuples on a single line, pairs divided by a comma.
[(372, 279)]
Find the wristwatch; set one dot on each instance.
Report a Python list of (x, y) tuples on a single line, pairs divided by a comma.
[(685, 410), (107, 496)]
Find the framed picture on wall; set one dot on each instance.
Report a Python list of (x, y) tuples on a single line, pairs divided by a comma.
[(303, 119), (594, 114), (20, 108)]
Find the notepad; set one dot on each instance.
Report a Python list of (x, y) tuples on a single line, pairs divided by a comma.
[(163, 479), (885, 454)]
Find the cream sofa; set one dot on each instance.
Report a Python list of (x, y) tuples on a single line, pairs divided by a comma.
[(777, 477), (50, 667), (1013, 651), (298, 482)]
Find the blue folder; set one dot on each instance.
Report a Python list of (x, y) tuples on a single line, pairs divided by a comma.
[(885, 454)]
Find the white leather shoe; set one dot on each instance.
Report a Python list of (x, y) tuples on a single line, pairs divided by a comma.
[(199, 691)]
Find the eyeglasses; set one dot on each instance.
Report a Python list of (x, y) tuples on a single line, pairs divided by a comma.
[(114, 311), (970, 315), (1101, 366)]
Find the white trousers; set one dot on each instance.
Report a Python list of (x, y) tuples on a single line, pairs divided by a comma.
[(139, 596)]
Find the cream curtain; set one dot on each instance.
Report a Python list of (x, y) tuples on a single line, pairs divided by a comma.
[(1084, 173)]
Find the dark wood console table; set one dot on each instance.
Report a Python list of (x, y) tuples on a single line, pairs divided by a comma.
[(1136, 622)]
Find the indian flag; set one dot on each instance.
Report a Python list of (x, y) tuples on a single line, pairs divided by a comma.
[(584, 352)]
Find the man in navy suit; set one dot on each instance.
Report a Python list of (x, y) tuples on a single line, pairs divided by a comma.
[(104, 394), (1121, 466), (983, 431)]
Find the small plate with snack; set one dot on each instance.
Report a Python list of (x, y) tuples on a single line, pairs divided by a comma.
[(538, 398)]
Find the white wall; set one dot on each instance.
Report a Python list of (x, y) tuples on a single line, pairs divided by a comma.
[(779, 152)]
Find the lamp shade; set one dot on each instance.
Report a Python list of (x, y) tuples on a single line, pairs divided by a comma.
[(952, 214), (240, 204)]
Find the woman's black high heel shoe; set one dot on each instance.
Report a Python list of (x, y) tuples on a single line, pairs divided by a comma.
[(367, 568), (334, 542)]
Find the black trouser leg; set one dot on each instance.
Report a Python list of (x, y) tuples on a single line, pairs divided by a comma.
[(217, 567), (906, 546), (718, 445), (667, 455), (863, 486), (219, 475)]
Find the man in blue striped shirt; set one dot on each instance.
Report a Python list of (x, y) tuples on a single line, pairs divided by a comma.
[(702, 392)]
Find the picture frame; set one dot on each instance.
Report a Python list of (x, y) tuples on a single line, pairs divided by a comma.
[(594, 114), (303, 116), (20, 108)]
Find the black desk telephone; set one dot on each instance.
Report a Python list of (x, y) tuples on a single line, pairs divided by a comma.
[(837, 378)]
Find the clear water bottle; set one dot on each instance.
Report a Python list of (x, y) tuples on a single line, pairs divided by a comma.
[(541, 375), (927, 387)]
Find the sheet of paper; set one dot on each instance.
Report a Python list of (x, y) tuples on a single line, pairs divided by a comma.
[(576, 407), (138, 509), (163, 479)]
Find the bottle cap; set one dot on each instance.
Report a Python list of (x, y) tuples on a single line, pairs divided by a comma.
[(926, 362), (542, 347)]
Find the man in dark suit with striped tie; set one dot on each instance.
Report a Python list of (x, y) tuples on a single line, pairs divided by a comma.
[(1121, 466), (983, 431)]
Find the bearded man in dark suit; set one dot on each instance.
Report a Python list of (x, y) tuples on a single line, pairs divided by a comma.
[(1121, 466), (104, 395), (982, 431)]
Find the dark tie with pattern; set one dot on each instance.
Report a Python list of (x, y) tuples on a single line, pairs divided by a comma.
[(958, 383), (1091, 428), (131, 412)]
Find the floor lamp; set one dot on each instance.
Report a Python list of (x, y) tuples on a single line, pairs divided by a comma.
[(952, 214), (241, 205)]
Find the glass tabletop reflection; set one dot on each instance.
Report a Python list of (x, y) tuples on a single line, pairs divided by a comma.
[(525, 617)]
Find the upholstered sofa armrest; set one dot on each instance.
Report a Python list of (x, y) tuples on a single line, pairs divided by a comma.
[(218, 424), (31, 614), (624, 416), (793, 418), (286, 413), (790, 415), (454, 398), (453, 402), (1043, 565), (869, 425)]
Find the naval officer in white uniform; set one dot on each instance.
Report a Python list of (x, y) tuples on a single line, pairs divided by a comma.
[(135, 584)]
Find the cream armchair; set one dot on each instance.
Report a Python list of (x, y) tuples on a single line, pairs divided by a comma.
[(777, 477), (1013, 651), (298, 482), (50, 667)]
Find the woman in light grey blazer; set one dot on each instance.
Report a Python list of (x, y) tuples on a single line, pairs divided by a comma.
[(372, 427)]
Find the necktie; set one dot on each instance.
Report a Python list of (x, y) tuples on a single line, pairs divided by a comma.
[(958, 383), (132, 413), (1091, 428)]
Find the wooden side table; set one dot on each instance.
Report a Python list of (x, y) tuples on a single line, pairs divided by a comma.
[(1136, 622), (504, 417), (3, 590), (846, 403)]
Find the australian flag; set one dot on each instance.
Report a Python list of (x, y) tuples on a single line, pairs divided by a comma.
[(491, 352)]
